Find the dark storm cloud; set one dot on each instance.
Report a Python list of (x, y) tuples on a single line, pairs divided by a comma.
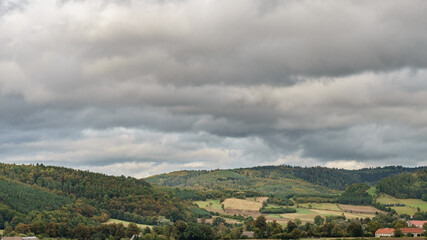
[(166, 85)]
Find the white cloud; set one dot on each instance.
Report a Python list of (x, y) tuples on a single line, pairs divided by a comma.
[(346, 164)]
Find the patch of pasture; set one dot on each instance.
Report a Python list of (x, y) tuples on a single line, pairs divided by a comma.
[(321, 206), (241, 204), (211, 204), (372, 191), (126, 223), (410, 207), (304, 211), (358, 209), (415, 203)]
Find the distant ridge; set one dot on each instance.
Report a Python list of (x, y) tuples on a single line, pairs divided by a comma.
[(278, 179)]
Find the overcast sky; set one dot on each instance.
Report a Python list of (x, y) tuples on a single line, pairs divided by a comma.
[(151, 86)]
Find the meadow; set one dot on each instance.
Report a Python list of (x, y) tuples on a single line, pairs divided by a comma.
[(126, 223), (411, 205)]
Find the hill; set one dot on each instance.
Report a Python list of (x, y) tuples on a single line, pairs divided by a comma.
[(410, 185), (34, 196), (277, 179), (246, 180)]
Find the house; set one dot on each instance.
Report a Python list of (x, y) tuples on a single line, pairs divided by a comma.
[(384, 232), (416, 223), (414, 232)]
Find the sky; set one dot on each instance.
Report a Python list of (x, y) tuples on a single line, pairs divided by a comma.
[(144, 87)]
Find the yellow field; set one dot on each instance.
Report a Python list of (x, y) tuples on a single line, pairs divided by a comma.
[(125, 223), (241, 204), (260, 199)]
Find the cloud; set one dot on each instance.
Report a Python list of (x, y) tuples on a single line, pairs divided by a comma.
[(346, 164), (206, 84)]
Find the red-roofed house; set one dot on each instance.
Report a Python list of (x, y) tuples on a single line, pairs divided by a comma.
[(416, 223), (415, 232), (384, 232)]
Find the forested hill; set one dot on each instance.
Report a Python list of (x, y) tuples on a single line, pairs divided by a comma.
[(278, 179), (70, 197), (410, 185)]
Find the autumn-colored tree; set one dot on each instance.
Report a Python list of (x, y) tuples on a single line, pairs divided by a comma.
[(132, 229)]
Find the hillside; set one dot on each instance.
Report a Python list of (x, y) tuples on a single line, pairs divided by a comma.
[(410, 185), (277, 179), (24, 199), (247, 180), (70, 198)]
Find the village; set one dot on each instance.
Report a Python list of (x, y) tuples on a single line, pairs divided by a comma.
[(415, 230)]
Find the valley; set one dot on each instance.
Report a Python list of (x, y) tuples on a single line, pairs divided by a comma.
[(266, 202)]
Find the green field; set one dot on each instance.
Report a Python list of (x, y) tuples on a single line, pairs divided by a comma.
[(372, 191), (415, 203), (125, 223), (304, 211), (321, 206), (209, 204), (411, 204)]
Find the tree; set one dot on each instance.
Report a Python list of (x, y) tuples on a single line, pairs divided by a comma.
[(398, 233), (290, 226), (318, 220), (22, 228), (131, 230), (337, 231), (218, 220), (193, 232), (355, 229), (7, 230), (147, 230), (260, 224), (373, 226), (399, 224)]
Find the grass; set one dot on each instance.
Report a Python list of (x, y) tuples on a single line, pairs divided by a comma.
[(304, 211), (372, 191), (274, 215), (209, 204), (125, 223), (386, 199), (415, 203), (321, 206), (411, 204), (241, 204)]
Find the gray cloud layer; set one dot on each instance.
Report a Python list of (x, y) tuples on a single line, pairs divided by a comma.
[(142, 87)]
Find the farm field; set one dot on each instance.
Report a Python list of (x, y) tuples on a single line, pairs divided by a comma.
[(415, 203), (372, 191), (411, 204), (241, 204), (125, 223), (358, 209), (322, 206), (250, 207), (211, 204)]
